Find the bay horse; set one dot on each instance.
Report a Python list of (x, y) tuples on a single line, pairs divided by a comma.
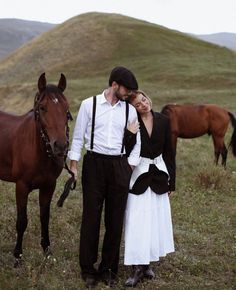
[(33, 149), (191, 121)]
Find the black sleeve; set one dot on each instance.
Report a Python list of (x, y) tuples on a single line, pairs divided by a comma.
[(129, 141), (169, 157)]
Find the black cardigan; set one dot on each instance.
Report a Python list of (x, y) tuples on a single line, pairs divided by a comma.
[(158, 143)]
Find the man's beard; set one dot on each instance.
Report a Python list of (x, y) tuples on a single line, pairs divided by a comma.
[(119, 96)]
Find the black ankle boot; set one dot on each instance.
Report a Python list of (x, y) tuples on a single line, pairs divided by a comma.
[(148, 272), (136, 276)]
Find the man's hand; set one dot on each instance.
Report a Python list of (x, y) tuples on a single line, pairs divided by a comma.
[(73, 168)]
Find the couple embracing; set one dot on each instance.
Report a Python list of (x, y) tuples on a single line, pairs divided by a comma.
[(128, 168)]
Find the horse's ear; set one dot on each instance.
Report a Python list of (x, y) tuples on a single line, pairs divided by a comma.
[(62, 83), (42, 83)]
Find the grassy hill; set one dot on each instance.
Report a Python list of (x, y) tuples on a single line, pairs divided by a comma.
[(86, 47), (170, 67)]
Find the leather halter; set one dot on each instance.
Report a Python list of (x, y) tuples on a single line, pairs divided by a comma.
[(43, 131)]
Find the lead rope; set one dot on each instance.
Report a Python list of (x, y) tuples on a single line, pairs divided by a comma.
[(71, 182)]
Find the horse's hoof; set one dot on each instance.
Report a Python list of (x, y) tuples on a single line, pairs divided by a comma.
[(47, 252), (18, 261)]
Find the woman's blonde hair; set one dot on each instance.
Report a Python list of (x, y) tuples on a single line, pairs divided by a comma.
[(138, 92)]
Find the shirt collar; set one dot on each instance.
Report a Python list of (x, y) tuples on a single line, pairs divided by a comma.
[(102, 98)]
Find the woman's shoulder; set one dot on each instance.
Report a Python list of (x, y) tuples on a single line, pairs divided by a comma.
[(161, 116)]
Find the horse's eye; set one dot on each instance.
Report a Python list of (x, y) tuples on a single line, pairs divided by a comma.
[(42, 109)]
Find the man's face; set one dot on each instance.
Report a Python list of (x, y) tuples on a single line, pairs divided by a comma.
[(122, 93)]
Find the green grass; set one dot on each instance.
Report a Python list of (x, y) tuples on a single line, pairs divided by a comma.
[(203, 212)]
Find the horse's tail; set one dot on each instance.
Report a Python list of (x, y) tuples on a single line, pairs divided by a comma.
[(232, 143)]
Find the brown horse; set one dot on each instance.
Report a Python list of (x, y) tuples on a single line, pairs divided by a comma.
[(190, 121), (32, 154)]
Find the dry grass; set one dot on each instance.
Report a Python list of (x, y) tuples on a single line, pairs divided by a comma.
[(203, 211)]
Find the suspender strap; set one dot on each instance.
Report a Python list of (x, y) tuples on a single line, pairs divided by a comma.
[(93, 122), (126, 121)]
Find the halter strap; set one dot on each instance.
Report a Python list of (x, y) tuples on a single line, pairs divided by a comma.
[(93, 124)]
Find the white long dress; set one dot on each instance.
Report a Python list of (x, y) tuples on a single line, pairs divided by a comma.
[(148, 224), (148, 227)]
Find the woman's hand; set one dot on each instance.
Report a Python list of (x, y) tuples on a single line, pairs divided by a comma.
[(133, 127), (132, 167)]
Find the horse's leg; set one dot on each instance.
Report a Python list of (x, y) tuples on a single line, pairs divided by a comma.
[(218, 142), (22, 192), (224, 153), (45, 197), (217, 155)]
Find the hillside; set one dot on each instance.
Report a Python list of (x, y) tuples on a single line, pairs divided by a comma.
[(16, 32), (86, 47)]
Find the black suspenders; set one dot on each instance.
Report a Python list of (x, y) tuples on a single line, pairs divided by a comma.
[(93, 123), (126, 121)]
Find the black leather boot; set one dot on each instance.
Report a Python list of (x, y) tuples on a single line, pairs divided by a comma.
[(109, 278), (90, 280), (136, 276), (148, 272)]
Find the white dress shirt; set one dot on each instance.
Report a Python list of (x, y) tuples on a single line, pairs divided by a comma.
[(108, 131)]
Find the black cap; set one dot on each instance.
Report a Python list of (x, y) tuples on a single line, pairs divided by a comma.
[(123, 77)]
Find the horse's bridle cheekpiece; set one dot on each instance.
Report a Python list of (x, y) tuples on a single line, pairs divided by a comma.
[(43, 131)]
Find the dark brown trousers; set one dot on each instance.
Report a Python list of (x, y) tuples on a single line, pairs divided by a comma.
[(105, 180)]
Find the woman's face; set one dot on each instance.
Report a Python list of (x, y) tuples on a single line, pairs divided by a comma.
[(141, 104)]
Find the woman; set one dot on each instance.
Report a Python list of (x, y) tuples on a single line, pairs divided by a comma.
[(148, 225)]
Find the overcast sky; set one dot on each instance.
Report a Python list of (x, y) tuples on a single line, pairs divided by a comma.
[(195, 16)]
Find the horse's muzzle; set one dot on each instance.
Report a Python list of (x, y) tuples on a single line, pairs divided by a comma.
[(59, 148)]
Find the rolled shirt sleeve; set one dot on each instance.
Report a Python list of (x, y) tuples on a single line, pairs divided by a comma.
[(79, 132)]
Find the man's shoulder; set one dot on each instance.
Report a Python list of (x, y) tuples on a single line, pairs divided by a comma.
[(132, 109), (88, 102)]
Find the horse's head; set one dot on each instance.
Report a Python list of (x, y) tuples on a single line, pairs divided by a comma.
[(52, 114)]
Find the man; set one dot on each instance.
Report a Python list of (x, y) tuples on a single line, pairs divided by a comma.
[(106, 172)]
